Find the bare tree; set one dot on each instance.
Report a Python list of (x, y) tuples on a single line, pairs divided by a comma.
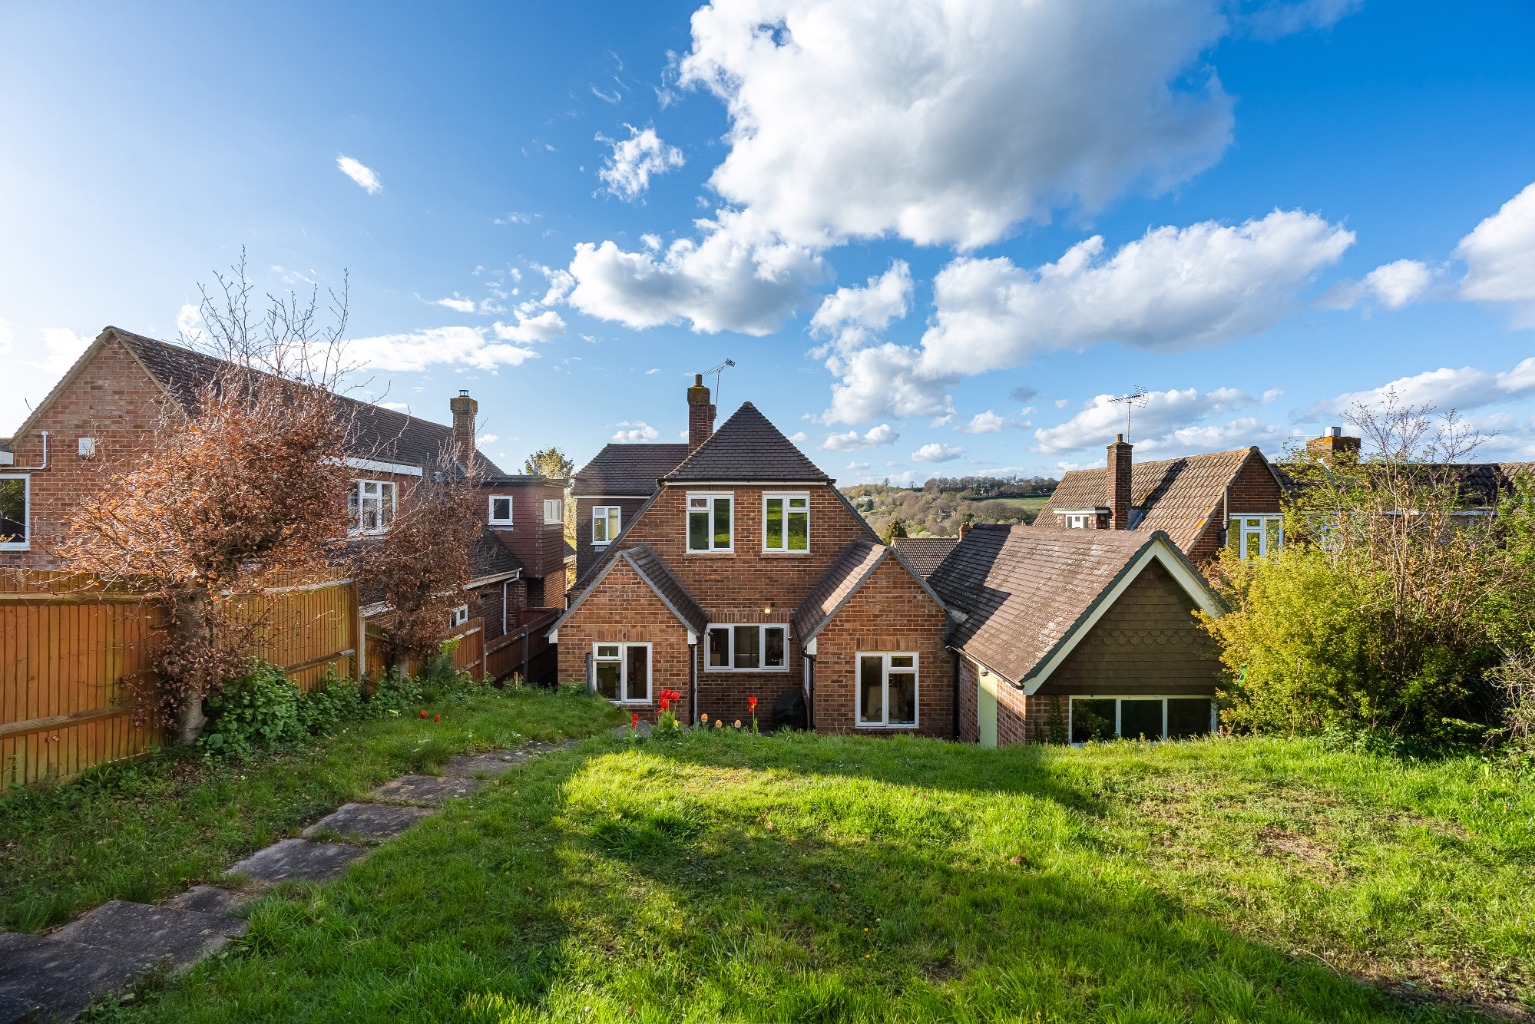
[(245, 482), (421, 565)]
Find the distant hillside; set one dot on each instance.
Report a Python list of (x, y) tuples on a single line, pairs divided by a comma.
[(937, 508)]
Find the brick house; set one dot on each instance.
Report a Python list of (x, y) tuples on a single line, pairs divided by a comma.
[(1073, 635), (105, 412), (745, 572), (1202, 502)]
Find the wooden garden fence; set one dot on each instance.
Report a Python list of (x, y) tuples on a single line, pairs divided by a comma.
[(76, 666)]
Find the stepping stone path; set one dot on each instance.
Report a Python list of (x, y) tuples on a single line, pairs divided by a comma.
[(54, 977)]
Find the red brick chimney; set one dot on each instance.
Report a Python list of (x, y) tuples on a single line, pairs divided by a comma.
[(1118, 484), (700, 413), (464, 409), (1333, 443)]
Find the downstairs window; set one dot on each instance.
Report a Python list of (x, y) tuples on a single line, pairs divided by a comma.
[(1152, 718), (623, 672), (748, 648), (887, 690), (15, 494)]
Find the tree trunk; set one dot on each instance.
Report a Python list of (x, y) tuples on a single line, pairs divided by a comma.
[(192, 634)]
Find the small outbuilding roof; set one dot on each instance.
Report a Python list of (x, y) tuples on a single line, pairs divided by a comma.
[(1024, 597)]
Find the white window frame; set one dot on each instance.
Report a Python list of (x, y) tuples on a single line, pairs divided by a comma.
[(730, 652), (559, 511), (623, 668), (612, 519), (510, 510), (786, 497), (25, 544), (458, 616), (358, 486), (711, 497), (1076, 520), (1255, 524), (916, 703), (1117, 697)]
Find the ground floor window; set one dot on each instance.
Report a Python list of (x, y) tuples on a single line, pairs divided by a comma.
[(1153, 718), (887, 690), (748, 648), (623, 672), (14, 514)]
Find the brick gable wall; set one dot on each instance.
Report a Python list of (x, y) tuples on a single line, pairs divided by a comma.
[(111, 399), (1253, 489)]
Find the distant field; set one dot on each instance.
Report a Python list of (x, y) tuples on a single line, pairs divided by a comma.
[(1034, 503)]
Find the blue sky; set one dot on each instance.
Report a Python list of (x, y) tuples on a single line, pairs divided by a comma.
[(933, 237)]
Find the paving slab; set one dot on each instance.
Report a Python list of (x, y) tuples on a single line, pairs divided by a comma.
[(298, 860), (184, 936), (492, 762), (425, 790), (369, 821), (206, 899), (64, 977)]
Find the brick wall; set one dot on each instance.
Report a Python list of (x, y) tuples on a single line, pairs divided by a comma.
[(890, 612), (1253, 489), (113, 400), (1148, 642)]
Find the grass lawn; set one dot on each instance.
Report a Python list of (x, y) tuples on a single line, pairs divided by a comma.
[(1033, 501), (145, 830), (853, 879)]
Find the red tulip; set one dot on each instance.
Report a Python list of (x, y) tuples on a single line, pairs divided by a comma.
[(751, 702), (437, 718), (423, 712), (665, 703), (634, 720)]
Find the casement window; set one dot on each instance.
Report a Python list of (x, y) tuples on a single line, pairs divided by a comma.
[(786, 522), (15, 512), (1077, 521), (554, 511), (1255, 536), (887, 690), (623, 672), (458, 616), (500, 510), (606, 521), (755, 648), (1154, 718), (371, 505), (711, 521)]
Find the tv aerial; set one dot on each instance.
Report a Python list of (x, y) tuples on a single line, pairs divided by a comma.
[(717, 371), (1134, 400)]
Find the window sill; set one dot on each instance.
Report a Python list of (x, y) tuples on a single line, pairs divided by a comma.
[(15, 547), (798, 554), (630, 703), (712, 670), (499, 526), (716, 551), (875, 727)]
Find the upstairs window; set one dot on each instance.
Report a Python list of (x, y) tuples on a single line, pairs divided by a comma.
[(1256, 536), (1077, 521), (711, 522), (371, 505), (554, 511), (786, 522), (622, 672), (15, 509), (500, 510), (606, 520), (753, 648), (458, 616)]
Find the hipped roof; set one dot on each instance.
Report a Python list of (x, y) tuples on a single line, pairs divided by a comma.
[(747, 447)]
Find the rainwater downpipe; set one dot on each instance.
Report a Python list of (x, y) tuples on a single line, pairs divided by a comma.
[(44, 464), (692, 678)]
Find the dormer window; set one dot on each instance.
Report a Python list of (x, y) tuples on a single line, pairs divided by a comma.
[(711, 521), (371, 505), (500, 510)]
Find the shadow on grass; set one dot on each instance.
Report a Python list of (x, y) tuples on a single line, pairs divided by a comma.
[(704, 881)]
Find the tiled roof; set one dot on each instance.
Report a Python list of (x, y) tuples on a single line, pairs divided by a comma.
[(1482, 484), (835, 586), (377, 433), (1023, 591), (925, 553), (631, 470), (651, 568), (489, 557), (748, 447), (1174, 495)]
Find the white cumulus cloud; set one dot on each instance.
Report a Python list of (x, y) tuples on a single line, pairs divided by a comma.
[(1500, 257), (882, 380), (417, 350), (853, 441), (936, 452), (61, 347), (360, 173), (545, 326), (1443, 389), (850, 313), (987, 422), (635, 433), (1160, 415), (456, 304), (1396, 284), (627, 168)]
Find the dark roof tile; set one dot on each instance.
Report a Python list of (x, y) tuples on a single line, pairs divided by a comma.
[(627, 470), (835, 586), (925, 553), (748, 447)]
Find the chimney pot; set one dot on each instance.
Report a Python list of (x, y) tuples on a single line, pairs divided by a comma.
[(464, 410)]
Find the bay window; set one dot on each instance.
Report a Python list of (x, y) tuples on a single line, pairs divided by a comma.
[(622, 672), (887, 690), (711, 521), (786, 522), (754, 648)]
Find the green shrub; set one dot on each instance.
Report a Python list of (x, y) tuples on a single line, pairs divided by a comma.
[(253, 712), (334, 701)]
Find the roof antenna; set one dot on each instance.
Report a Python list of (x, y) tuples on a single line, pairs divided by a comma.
[(1134, 400), (717, 370)]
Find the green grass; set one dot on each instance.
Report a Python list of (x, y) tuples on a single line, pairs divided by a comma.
[(145, 830), (1035, 502), (791, 878)]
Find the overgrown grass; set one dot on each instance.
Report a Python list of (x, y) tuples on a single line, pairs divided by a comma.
[(144, 830), (791, 878)]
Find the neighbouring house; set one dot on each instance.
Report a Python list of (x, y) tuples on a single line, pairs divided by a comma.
[(106, 410), (1202, 502), (1075, 635), (741, 571), (926, 554)]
